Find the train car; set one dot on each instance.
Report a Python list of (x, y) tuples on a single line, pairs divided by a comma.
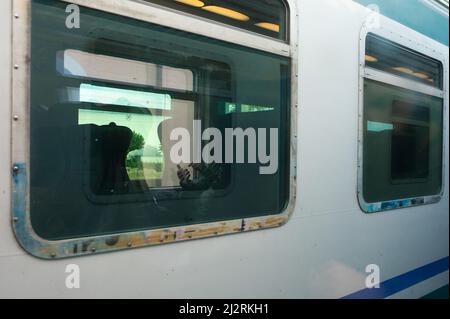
[(224, 149)]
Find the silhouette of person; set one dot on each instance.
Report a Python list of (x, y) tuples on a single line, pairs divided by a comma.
[(115, 142)]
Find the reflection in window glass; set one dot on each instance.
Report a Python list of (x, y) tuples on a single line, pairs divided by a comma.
[(106, 95), (402, 153), (101, 122), (390, 57), (410, 141), (245, 108), (267, 17), (144, 158), (82, 64)]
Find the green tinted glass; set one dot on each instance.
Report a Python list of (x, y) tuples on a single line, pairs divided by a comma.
[(266, 17), (104, 101), (393, 58), (402, 143)]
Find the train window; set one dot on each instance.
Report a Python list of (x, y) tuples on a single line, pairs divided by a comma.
[(390, 57), (402, 128), (105, 102), (402, 143), (267, 17)]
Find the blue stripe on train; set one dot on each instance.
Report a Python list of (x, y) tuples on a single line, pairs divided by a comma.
[(402, 282)]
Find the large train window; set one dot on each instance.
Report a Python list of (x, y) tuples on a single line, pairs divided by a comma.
[(402, 127), (142, 134), (267, 17)]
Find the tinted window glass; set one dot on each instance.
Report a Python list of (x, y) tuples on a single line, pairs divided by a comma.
[(105, 100), (402, 143), (267, 17), (387, 56)]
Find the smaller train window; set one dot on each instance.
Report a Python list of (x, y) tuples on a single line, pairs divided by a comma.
[(402, 127), (266, 17), (390, 57)]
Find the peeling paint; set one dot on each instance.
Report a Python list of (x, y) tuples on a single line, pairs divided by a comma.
[(84, 246), (402, 203), (69, 248)]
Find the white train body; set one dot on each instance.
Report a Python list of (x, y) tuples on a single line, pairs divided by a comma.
[(324, 248)]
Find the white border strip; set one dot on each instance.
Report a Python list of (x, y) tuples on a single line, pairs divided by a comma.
[(402, 82)]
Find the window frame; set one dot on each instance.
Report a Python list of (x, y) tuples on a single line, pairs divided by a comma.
[(20, 140), (410, 41), (285, 4)]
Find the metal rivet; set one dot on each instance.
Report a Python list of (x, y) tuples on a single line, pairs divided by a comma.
[(16, 16), (129, 244), (16, 66), (16, 117), (16, 169), (93, 249), (16, 219), (53, 255)]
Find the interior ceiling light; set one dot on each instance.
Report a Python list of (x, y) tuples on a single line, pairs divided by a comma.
[(404, 70), (421, 75), (227, 13), (269, 26), (194, 3), (370, 58)]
